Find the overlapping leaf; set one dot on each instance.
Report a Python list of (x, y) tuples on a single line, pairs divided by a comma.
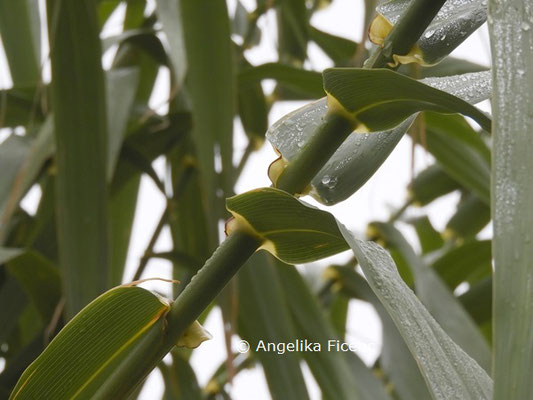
[(292, 231), (437, 298), (447, 369), (359, 157), (380, 99), (455, 21)]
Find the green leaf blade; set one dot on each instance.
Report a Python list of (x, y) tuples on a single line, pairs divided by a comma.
[(78, 361), (370, 94), (79, 102), (448, 370), (294, 232)]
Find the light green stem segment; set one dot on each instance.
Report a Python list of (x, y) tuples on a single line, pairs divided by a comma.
[(406, 32), (240, 245), (302, 169), (209, 281)]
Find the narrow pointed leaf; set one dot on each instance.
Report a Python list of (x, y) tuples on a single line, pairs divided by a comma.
[(264, 315), (121, 84), (468, 262), (20, 106), (449, 372), (212, 94), (407, 381), (380, 99), (79, 103), (299, 80), (40, 280), (430, 184), (20, 24), (253, 109), (339, 49), (94, 345), (339, 375), (292, 231), (471, 216), (511, 34), (458, 152), (292, 31), (478, 301), (430, 239), (455, 21), (438, 299), (169, 14), (29, 167), (180, 379), (10, 293), (12, 154), (359, 157)]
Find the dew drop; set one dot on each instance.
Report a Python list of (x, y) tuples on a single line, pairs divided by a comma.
[(429, 33), (329, 182), (525, 26)]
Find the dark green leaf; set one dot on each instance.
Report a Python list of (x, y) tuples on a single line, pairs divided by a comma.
[(407, 382), (264, 316), (339, 49), (293, 231), (180, 379), (430, 239), (79, 103), (430, 184), (122, 325), (20, 24), (339, 375), (379, 99), (472, 215), (297, 79), (468, 262), (169, 14), (212, 94)]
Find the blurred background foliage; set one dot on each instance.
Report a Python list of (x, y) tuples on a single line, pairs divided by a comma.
[(58, 258)]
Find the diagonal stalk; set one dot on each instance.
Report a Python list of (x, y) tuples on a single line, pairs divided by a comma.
[(240, 245)]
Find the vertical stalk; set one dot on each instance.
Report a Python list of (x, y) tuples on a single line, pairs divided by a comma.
[(78, 101), (511, 31)]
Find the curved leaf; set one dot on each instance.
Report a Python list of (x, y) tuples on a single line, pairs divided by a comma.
[(292, 230), (93, 344), (339, 375), (264, 315), (407, 381), (359, 157), (449, 372), (379, 99), (80, 131), (438, 298), (300, 80)]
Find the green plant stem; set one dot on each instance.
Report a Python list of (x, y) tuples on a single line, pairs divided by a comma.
[(406, 32), (209, 281), (240, 245), (325, 141)]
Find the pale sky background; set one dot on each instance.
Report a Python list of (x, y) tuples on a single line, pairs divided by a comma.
[(384, 192)]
